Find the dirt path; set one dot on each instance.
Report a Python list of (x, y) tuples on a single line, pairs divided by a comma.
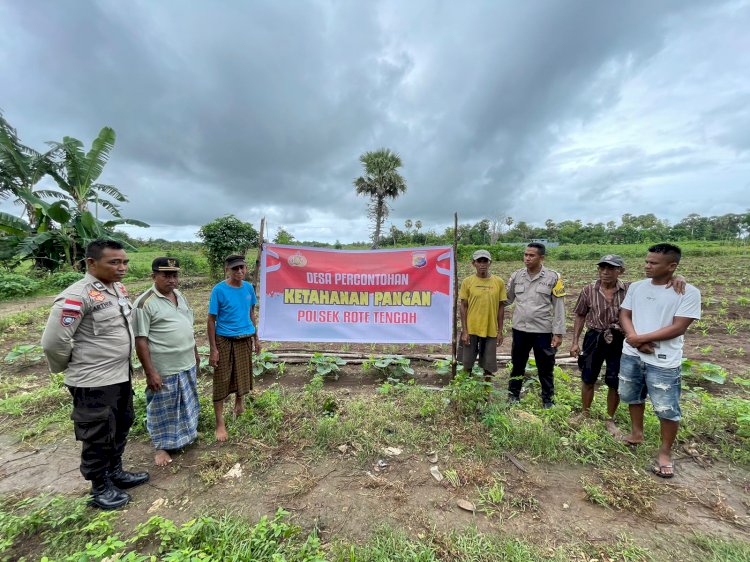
[(24, 305)]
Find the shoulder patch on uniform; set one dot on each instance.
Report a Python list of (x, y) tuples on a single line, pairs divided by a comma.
[(144, 297), (559, 289)]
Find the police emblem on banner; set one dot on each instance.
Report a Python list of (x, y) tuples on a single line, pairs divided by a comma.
[(297, 260), (419, 259)]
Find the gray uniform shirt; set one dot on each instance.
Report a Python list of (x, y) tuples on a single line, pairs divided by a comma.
[(537, 309), (89, 335)]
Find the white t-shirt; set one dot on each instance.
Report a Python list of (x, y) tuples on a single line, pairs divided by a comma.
[(654, 307)]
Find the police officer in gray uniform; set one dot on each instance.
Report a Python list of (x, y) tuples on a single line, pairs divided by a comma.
[(538, 321), (89, 337)]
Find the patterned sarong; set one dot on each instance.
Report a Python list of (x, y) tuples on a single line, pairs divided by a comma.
[(172, 413), (235, 371)]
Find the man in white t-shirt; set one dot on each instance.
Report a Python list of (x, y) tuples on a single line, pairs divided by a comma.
[(654, 320)]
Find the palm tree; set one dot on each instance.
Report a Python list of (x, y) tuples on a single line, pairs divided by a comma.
[(79, 172), (381, 181)]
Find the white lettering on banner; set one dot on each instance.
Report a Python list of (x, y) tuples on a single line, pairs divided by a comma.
[(371, 278), (318, 278)]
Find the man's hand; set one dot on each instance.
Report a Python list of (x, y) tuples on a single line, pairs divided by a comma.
[(256, 342), (556, 341), (678, 283), (213, 358), (647, 347), (500, 339), (464, 337), (575, 349), (153, 381)]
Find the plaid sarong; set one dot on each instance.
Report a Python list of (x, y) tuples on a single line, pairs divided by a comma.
[(172, 413), (234, 373)]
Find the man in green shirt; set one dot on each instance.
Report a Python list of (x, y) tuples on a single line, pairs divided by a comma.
[(482, 297), (165, 345)]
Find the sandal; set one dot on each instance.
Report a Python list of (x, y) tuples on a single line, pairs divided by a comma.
[(661, 470)]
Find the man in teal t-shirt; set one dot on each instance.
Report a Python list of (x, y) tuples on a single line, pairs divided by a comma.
[(231, 334)]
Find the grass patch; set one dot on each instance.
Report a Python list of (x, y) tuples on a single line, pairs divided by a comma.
[(623, 489), (54, 525), (719, 549)]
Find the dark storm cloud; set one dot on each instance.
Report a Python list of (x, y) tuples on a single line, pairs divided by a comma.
[(263, 108)]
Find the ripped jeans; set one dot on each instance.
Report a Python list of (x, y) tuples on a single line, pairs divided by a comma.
[(663, 384)]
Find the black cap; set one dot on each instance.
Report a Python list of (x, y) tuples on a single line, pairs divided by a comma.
[(234, 261), (165, 264)]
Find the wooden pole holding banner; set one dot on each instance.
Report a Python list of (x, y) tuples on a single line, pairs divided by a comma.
[(455, 295), (256, 270)]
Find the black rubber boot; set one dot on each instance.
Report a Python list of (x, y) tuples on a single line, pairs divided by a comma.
[(106, 495), (125, 480)]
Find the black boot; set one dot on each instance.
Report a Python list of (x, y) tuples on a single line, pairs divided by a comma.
[(124, 479), (106, 495)]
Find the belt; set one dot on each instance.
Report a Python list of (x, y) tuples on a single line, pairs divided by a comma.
[(238, 338)]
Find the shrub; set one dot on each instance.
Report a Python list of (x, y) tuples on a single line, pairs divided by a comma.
[(15, 285), (224, 236), (189, 265), (62, 279)]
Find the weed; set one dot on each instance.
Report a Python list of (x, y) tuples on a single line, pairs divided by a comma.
[(491, 498), (623, 489), (451, 475), (213, 465)]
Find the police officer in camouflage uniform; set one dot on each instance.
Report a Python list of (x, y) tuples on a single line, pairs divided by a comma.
[(538, 321), (89, 337)]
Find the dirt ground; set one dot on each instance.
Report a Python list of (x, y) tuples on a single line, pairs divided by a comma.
[(341, 498)]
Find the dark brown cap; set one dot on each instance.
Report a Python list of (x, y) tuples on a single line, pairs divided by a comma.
[(165, 264)]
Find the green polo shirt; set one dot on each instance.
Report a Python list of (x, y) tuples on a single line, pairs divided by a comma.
[(169, 330)]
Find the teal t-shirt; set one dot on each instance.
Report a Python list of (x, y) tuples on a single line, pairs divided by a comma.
[(231, 306)]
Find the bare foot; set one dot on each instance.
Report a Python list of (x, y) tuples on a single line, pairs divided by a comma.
[(631, 439), (239, 406), (221, 433), (162, 458), (578, 419), (614, 431)]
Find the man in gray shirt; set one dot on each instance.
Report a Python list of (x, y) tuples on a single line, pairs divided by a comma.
[(538, 321), (89, 337)]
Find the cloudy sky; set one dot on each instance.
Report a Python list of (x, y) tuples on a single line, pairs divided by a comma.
[(536, 110)]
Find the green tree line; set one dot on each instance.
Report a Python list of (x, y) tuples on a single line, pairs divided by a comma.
[(632, 229)]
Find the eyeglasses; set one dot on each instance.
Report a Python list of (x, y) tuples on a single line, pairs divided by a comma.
[(238, 267)]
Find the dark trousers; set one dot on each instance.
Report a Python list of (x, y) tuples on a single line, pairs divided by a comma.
[(102, 417), (595, 352), (544, 355)]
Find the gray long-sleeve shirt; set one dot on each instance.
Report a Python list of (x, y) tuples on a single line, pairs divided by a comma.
[(89, 335)]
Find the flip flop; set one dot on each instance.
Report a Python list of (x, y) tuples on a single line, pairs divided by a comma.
[(658, 469)]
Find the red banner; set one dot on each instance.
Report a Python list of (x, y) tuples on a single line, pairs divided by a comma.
[(373, 296)]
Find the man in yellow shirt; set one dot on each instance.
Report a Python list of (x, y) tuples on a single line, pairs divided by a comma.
[(482, 297)]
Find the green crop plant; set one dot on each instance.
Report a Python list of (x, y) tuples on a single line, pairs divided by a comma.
[(325, 365), (26, 353), (266, 362), (393, 367)]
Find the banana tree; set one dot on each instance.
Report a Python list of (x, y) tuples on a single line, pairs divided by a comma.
[(21, 168), (79, 170)]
